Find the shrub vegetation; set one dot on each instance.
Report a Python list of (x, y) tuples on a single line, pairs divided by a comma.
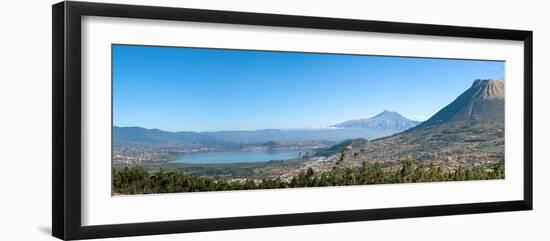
[(136, 180)]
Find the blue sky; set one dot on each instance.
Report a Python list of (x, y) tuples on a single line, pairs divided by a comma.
[(195, 89)]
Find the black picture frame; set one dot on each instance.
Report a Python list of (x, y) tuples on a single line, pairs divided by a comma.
[(66, 158)]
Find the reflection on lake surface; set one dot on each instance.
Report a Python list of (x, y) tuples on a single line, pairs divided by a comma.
[(237, 156)]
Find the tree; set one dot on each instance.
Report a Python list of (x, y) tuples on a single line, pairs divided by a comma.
[(500, 169), (342, 157), (364, 175), (407, 170)]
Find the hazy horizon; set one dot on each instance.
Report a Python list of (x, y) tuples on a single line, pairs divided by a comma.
[(201, 90), (291, 128)]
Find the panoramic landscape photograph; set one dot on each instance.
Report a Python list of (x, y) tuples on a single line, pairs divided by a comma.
[(201, 119)]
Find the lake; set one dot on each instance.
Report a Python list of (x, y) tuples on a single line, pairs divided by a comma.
[(237, 156)]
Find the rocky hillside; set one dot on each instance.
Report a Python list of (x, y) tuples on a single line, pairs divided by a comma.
[(484, 101), (467, 132)]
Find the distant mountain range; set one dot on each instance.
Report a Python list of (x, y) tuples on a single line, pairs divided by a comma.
[(383, 124), (156, 136), (468, 131)]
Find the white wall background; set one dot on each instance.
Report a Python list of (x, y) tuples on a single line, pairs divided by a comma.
[(25, 122)]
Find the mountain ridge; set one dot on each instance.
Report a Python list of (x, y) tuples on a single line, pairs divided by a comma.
[(384, 124), (469, 131)]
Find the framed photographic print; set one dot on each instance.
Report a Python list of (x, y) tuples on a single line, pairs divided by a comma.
[(169, 120)]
